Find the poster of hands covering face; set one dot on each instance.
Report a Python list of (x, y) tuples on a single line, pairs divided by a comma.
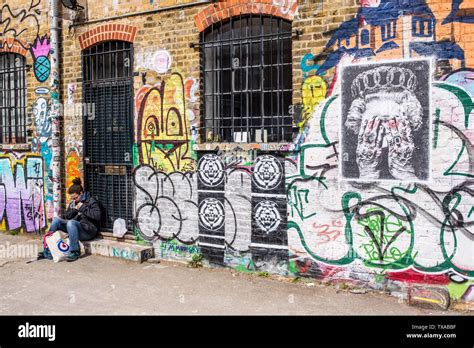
[(385, 124)]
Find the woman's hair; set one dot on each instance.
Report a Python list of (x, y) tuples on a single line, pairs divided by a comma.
[(76, 187), (411, 107)]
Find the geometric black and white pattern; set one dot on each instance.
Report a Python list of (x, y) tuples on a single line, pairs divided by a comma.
[(211, 214), (211, 173), (267, 217), (268, 175)]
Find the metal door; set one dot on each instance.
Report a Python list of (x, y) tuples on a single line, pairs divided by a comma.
[(108, 128)]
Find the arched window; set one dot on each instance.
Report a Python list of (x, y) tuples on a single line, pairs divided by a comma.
[(12, 99), (247, 74)]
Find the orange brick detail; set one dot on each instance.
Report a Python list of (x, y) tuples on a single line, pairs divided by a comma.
[(10, 45), (224, 9), (107, 32)]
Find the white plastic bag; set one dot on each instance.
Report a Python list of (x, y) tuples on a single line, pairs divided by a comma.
[(120, 228), (58, 245)]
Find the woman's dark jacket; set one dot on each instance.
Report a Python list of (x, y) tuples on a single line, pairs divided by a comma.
[(89, 214)]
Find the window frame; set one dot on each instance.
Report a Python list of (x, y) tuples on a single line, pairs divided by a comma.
[(417, 23), (272, 36), (365, 34), (389, 30), (13, 100)]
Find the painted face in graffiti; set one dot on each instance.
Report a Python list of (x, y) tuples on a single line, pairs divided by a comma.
[(163, 126), (42, 119), (384, 124), (384, 115)]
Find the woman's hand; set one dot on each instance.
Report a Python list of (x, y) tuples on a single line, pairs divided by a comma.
[(369, 149), (401, 147)]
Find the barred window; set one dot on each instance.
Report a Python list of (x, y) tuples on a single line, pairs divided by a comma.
[(12, 99), (247, 75)]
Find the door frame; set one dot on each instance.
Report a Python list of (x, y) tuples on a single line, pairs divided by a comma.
[(131, 131)]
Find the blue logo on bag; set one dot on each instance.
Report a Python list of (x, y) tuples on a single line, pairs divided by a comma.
[(63, 247)]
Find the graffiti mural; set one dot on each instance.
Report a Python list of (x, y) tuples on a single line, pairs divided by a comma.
[(286, 6), (159, 61), (460, 12), (376, 188), (15, 24), (73, 165), (387, 227), (376, 32), (163, 137), (40, 53), (22, 192), (210, 209), (313, 92), (42, 145), (386, 121)]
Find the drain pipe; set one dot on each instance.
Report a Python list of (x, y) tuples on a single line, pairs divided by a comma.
[(55, 107)]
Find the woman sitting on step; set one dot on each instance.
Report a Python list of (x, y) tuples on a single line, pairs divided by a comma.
[(81, 221)]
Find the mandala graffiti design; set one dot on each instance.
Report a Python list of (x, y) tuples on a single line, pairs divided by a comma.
[(268, 172), (267, 216), (211, 214), (211, 170)]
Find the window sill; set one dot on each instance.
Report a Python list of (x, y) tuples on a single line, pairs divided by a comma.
[(15, 147), (281, 147)]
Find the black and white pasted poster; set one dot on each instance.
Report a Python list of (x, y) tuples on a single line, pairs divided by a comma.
[(386, 121)]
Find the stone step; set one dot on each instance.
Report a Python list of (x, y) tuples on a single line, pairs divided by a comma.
[(125, 251)]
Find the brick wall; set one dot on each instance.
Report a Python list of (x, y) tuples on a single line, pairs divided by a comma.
[(26, 197), (303, 219), (375, 189)]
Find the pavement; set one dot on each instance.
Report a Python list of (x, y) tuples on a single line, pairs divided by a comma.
[(96, 285)]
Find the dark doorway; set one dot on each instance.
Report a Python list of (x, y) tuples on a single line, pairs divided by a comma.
[(108, 128)]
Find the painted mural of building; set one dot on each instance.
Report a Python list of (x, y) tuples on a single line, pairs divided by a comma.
[(221, 129), (388, 29)]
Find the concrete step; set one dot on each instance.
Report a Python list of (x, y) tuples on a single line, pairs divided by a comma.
[(128, 238), (125, 251)]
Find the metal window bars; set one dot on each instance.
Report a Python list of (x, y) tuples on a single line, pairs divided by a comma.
[(13, 109), (108, 132), (247, 72)]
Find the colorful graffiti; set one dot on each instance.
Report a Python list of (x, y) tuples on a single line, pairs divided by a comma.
[(313, 92), (210, 208), (286, 209), (15, 24), (163, 137), (375, 33), (287, 6), (42, 145), (460, 12), (388, 227), (22, 192), (73, 163), (40, 53), (159, 61)]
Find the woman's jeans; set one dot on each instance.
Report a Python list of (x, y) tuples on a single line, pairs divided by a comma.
[(73, 228)]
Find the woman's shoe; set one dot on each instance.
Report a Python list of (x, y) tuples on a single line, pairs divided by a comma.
[(45, 254), (73, 256)]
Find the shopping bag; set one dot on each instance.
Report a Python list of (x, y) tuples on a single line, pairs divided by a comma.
[(58, 245), (120, 228)]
